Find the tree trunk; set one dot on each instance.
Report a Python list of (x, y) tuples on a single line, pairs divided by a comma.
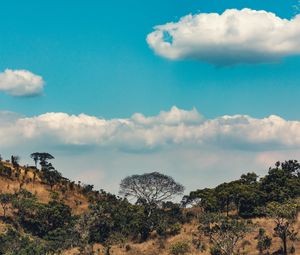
[(284, 245), (4, 211), (227, 207)]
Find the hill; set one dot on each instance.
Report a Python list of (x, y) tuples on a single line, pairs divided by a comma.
[(28, 178), (41, 212)]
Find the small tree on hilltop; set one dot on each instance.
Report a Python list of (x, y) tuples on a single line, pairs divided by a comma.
[(15, 160), (151, 189), (41, 157)]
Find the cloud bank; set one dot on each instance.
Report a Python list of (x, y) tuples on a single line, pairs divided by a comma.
[(233, 37), (21, 83), (140, 133)]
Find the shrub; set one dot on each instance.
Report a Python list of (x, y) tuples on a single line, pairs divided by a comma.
[(175, 229), (214, 250), (127, 247), (179, 248)]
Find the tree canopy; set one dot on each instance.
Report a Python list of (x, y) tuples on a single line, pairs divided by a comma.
[(150, 188)]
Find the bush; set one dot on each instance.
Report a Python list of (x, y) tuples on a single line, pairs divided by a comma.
[(175, 229), (127, 247), (215, 251), (179, 248)]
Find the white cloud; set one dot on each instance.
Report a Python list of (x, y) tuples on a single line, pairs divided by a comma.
[(235, 36), (21, 83), (139, 133), (196, 151)]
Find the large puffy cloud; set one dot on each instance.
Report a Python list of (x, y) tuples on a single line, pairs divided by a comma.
[(235, 36), (196, 151), (139, 133), (21, 83)]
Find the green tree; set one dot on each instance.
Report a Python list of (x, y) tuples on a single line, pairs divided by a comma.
[(282, 182), (224, 232), (51, 177), (5, 201), (264, 242), (41, 157), (285, 216)]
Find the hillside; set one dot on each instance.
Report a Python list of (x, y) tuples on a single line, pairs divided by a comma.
[(24, 180), (40, 216)]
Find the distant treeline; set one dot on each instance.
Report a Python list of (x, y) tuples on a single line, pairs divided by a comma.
[(249, 195)]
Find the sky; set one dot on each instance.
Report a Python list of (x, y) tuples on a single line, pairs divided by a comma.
[(200, 90)]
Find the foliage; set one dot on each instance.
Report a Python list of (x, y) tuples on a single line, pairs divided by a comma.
[(248, 195), (263, 241), (150, 189), (285, 216), (41, 157), (180, 248), (13, 243), (5, 171), (224, 232), (5, 201)]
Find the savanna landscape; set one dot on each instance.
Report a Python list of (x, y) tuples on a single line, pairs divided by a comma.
[(44, 213), (150, 127)]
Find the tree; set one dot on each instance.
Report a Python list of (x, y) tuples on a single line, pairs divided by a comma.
[(41, 157), (224, 232), (15, 160), (51, 177), (35, 157), (249, 178), (282, 182), (5, 200), (204, 198), (150, 189), (225, 194), (285, 216), (263, 241)]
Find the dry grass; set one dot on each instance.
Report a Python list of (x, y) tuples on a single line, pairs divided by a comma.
[(189, 232), (75, 199)]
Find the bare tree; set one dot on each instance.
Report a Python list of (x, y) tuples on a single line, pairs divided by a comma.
[(151, 188)]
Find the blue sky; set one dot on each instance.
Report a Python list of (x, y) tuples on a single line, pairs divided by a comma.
[(94, 59)]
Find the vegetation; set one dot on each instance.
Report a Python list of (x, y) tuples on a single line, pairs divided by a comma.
[(249, 195), (224, 232), (264, 242), (180, 248), (285, 217), (224, 217)]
